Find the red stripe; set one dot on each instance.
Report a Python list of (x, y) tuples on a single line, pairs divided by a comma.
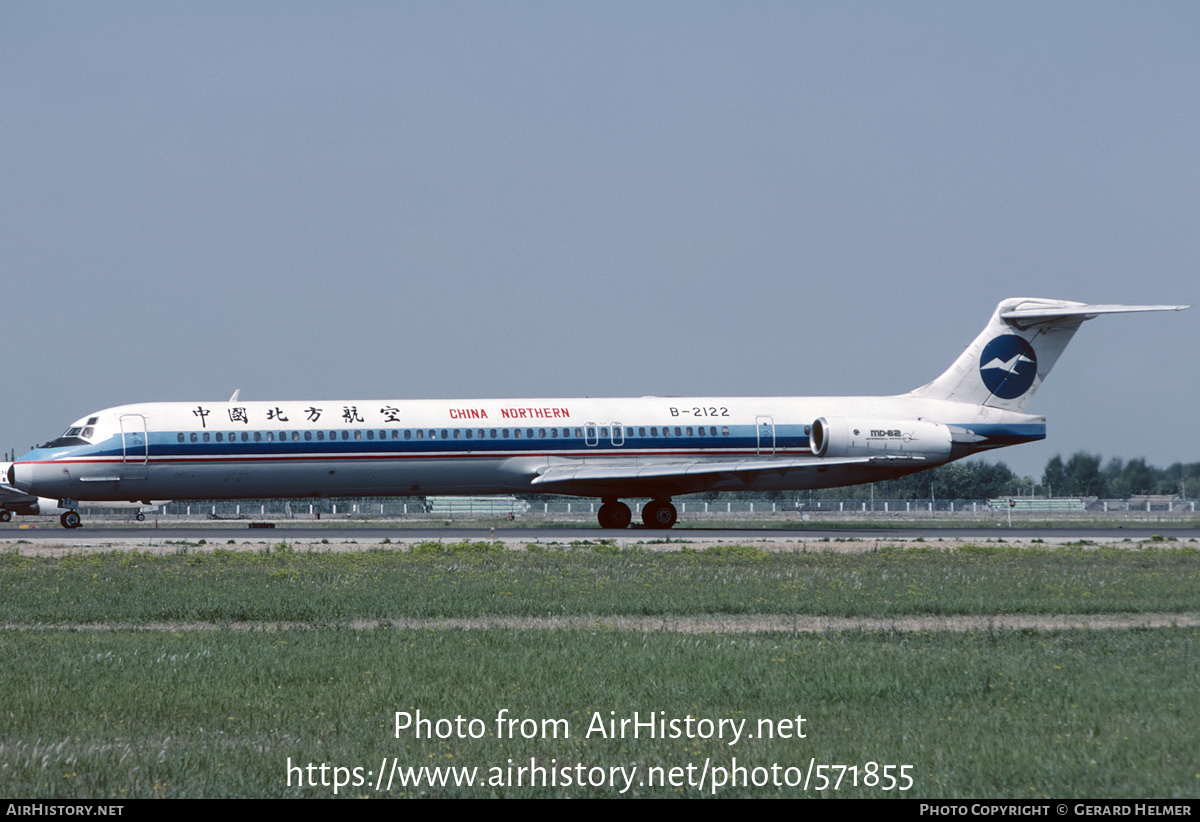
[(435, 455)]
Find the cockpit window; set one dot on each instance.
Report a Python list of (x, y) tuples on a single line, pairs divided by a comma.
[(75, 435)]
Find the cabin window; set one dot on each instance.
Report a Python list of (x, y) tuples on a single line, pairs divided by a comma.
[(320, 436), (180, 437), (517, 433), (504, 433), (371, 434), (207, 438), (420, 434), (724, 430), (542, 433), (308, 435), (407, 434), (220, 438), (689, 430), (445, 434), (358, 435)]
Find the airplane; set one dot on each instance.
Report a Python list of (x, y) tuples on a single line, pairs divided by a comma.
[(647, 447)]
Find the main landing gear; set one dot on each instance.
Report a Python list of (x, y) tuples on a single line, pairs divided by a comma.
[(658, 513), (71, 519), (614, 514)]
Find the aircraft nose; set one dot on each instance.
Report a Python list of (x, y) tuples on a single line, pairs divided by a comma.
[(20, 475)]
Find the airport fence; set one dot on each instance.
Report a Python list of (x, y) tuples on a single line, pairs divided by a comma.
[(507, 507)]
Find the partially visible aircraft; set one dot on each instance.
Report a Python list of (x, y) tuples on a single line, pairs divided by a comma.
[(655, 447)]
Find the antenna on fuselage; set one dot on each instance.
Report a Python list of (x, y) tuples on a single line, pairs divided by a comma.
[(234, 398)]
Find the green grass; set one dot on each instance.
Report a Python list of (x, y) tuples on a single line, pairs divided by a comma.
[(94, 706), (436, 580), (126, 714)]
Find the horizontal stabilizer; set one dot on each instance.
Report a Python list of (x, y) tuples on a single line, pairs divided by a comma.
[(1024, 317)]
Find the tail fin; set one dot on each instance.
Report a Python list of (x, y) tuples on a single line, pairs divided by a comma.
[(1006, 363)]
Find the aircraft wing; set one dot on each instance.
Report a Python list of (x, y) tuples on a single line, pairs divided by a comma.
[(576, 476), (11, 496), (13, 500)]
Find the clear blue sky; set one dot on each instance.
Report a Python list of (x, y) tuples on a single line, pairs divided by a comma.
[(441, 199)]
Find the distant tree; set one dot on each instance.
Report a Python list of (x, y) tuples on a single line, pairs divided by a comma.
[(1084, 478), (1137, 478), (1181, 478), (1054, 478)]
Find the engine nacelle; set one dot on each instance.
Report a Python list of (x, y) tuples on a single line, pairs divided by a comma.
[(840, 437)]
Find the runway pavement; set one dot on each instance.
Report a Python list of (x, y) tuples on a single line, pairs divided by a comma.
[(147, 533)]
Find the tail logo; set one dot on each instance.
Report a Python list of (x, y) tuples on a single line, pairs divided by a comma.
[(1008, 366)]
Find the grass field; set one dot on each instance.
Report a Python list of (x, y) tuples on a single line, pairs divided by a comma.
[(205, 672)]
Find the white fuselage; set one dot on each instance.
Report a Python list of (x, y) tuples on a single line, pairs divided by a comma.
[(483, 446)]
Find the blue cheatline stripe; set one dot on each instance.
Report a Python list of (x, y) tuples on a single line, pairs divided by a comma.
[(742, 440)]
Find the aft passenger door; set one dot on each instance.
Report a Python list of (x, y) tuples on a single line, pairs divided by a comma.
[(135, 446), (766, 434)]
